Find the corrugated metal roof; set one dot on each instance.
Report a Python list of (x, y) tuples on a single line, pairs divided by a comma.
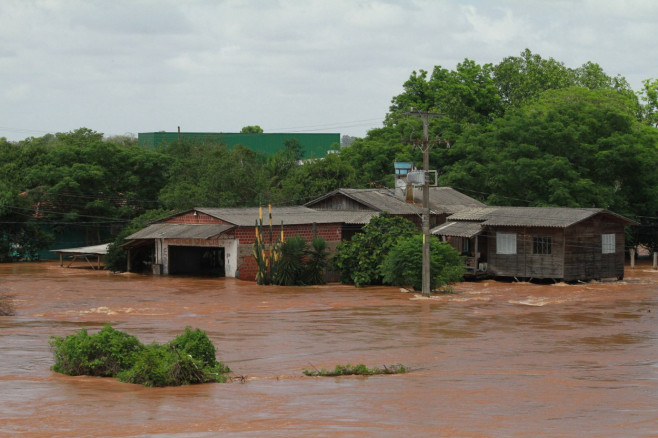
[(558, 217), (96, 250), (298, 215), (179, 231), (458, 229), (382, 200), (446, 200)]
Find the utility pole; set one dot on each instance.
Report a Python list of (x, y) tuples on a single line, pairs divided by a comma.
[(425, 146)]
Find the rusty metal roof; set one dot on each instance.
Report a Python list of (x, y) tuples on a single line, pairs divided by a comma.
[(179, 231), (557, 217)]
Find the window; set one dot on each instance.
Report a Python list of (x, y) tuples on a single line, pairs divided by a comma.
[(542, 245), (505, 243), (608, 243)]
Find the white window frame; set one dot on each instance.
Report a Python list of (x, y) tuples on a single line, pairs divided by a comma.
[(505, 243), (608, 244)]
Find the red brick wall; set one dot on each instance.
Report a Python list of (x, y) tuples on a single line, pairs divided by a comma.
[(330, 232), (247, 266)]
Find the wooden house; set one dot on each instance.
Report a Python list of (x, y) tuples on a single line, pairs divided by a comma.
[(557, 243), (443, 202), (219, 241)]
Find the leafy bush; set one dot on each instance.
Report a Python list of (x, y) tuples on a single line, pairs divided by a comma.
[(316, 262), (188, 359), (196, 343), (360, 370), (359, 259), (166, 365), (290, 266), (103, 354), (403, 265)]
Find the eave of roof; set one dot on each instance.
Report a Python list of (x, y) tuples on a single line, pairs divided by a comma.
[(95, 250), (458, 229), (179, 231)]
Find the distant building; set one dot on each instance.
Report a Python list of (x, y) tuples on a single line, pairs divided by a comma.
[(314, 145)]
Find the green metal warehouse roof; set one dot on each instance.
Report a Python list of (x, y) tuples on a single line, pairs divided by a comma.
[(315, 145)]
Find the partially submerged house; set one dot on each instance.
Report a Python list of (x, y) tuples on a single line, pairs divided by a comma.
[(444, 201), (557, 243), (219, 241)]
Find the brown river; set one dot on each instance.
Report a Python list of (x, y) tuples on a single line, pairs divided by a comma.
[(494, 359)]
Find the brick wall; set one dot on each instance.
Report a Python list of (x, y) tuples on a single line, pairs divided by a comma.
[(330, 232), (247, 267)]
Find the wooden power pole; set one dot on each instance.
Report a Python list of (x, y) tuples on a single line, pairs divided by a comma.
[(425, 146)]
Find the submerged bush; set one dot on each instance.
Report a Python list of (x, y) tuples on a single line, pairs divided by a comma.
[(188, 359), (166, 365), (403, 265), (103, 354), (358, 370)]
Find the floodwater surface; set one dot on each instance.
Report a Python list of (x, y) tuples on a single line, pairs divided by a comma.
[(494, 359)]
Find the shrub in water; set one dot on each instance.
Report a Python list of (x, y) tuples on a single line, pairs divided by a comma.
[(196, 344), (188, 359), (165, 365), (103, 354)]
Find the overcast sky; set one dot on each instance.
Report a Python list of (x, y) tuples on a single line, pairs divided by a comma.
[(130, 66)]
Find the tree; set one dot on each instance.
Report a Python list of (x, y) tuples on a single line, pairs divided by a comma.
[(573, 147), (649, 95), (294, 148), (403, 264), (523, 78), (315, 178), (252, 129), (359, 259)]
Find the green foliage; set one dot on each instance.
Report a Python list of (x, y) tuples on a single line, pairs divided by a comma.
[(359, 259), (358, 370), (573, 147), (188, 359), (317, 177), (103, 354), (196, 343), (267, 250), (288, 262), (251, 129), (403, 266), (290, 265), (316, 262)]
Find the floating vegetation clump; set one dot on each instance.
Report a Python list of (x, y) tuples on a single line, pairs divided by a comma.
[(188, 359), (356, 370)]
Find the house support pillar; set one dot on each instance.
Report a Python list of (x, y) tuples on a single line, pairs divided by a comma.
[(632, 253)]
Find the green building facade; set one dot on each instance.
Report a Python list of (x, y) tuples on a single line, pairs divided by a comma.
[(314, 145)]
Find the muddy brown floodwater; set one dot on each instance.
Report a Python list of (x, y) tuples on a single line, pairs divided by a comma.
[(494, 359)]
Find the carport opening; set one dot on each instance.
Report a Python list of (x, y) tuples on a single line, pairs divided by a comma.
[(195, 260)]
